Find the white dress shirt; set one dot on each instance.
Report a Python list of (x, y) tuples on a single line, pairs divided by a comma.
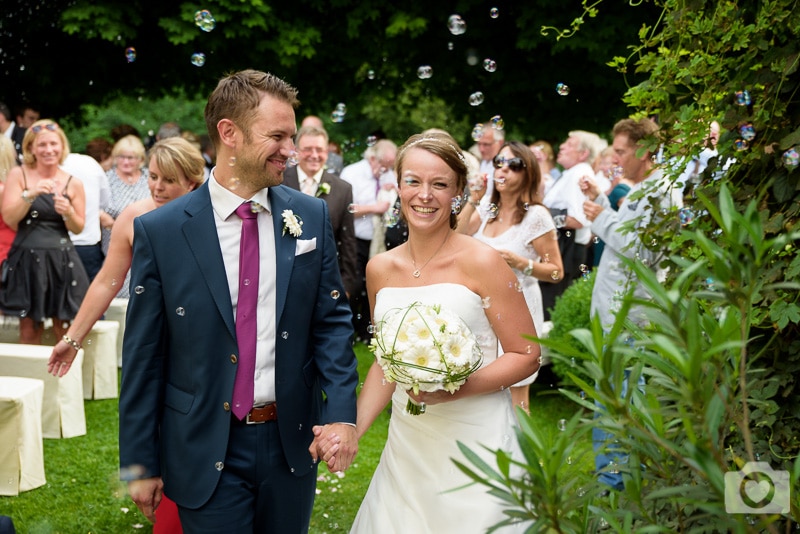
[(302, 177), (98, 195), (229, 231), (565, 193)]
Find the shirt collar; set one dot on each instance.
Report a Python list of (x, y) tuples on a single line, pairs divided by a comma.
[(301, 175), (224, 202)]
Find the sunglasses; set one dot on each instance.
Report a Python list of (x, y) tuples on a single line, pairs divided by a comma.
[(515, 164), (39, 127)]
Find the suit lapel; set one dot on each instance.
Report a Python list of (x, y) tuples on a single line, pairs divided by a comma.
[(285, 246), (198, 229)]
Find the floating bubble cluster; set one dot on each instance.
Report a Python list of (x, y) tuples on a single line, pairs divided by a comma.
[(477, 132), (489, 65), (205, 20), (562, 89), (494, 12), (476, 98), (198, 59), (337, 115), (497, 122), (743, 98), (456, 25), (424, 72), (791, 158), (130, 54)]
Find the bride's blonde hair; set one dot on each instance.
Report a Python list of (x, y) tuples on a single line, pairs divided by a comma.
[(445, 148)]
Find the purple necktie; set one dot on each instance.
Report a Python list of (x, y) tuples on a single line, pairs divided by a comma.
[(246, 311)]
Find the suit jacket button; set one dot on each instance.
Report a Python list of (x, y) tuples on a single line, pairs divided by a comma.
[(226, 406), (234, 359), (219, 466)]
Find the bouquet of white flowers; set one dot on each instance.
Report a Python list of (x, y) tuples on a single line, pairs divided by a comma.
[(425, 348)]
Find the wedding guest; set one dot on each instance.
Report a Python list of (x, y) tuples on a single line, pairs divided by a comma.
[(122, 130), (100, 149), (128, 182), (545, 157), (27, 114), (11, 129), (223, 375), (412, 489), (618, 229), (8, 160), (309, 176), (46, 278), (522, 230)]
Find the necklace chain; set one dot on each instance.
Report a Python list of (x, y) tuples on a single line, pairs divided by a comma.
[(418, 272)]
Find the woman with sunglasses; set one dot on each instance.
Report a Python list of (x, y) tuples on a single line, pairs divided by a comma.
[(45, 275), (518, 226)]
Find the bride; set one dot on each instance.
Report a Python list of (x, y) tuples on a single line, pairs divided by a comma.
[(413, 487)]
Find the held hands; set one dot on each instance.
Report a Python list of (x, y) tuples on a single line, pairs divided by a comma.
[(147, 494), (63, 205), (61, 359), (335, 444)]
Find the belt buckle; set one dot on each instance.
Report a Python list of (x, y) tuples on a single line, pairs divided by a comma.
[(249, 422)]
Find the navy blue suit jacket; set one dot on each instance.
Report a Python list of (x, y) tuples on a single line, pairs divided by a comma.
[(180, 341)]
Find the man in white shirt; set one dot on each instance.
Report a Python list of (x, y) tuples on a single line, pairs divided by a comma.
[(367, 176), (98, 195), (565, 200)]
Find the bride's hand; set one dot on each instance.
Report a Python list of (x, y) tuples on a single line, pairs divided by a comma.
[(431, 397)]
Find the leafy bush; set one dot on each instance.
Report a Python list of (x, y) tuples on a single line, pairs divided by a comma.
[(571, 311)]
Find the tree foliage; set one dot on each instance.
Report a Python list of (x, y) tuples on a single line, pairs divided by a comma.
[(364, 53)]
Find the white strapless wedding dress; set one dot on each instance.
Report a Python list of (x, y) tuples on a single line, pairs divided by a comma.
[(414, 488)]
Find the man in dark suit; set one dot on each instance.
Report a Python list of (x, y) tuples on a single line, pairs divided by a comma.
[(184, 425), (313, 178)]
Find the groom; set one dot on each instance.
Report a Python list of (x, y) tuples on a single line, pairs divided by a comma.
[(225, 363)]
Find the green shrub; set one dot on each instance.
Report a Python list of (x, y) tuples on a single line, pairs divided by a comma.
[(571, 311)]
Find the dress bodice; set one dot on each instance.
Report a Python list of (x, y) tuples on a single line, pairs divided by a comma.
[(457, 298), (517, 239)]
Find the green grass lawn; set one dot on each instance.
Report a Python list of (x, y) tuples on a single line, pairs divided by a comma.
[(83, 494)]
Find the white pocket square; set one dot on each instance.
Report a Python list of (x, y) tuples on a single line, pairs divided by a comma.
[(305, 245)]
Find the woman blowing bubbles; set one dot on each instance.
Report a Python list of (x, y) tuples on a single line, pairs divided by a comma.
[(410, 491), (42, 202)]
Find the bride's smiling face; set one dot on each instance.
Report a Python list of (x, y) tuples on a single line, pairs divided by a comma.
[(427, 187)]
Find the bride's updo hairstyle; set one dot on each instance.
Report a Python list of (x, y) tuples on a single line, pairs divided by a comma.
[(445, 148)]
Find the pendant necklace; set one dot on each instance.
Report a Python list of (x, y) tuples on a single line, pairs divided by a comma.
[(417, 272)]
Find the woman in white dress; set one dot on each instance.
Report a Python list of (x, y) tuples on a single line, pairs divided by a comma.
[(412, 489), (522, 230)]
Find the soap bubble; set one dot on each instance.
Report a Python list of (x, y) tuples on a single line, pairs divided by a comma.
[(477, 132), (292, 160), (476, 98), (489, 65), (743, 98), (198, 59), (371, 74), (138, 290), (791, 158), (335, 294), (747, 132), (371, 140), (494, 12), (337, 115), (686, 216), (497, 122), (562, 89), (740, 144), (130, 54), (205, 20), (449, 45), (456, 25), (424, 72)]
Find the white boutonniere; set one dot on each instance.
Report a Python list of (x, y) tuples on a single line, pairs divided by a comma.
[(292, 223), (323, 189)]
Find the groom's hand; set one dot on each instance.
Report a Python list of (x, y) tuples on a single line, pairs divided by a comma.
[(147, 493), (335, 444)]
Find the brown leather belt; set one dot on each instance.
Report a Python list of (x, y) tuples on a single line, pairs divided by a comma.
[(262, 414)]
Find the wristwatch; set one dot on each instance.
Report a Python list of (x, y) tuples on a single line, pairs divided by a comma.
[(528, 271)]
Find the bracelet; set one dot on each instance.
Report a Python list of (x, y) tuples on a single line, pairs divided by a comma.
[(71, 342), (528, 271)]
